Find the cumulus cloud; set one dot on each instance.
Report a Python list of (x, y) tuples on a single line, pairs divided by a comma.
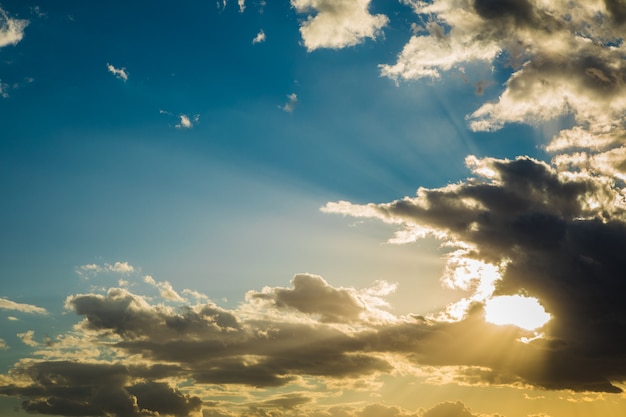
[(141, 349), (11, 30), (529, 36), (118, 72), (3, 345), (7, 304), (556, 236), (337, 24), (259, 38)]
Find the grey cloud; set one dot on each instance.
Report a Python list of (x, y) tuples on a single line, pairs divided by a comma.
[(96, 389), (129, 315), (556, 246), (311, 294), (617, 9), (521, 11)]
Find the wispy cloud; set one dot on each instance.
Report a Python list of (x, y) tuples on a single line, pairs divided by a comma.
[(28, 338), (116, 267), (118, 72), (291, 104), (165, 289), (7, 304), (332, 24)]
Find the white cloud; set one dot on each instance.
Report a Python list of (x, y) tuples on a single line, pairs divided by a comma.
[(28, 338), (11, 30), (118, 72), (187, 122), (165, 289), (337, 23), (260, 37), (6, 304), (291, 104), (116, 267), (3, 345)]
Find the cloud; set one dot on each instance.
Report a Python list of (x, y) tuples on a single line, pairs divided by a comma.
[(291, 104), (449, 409), (130, 354), (556, 236), (118, 72), (529, 36), (312, 295), (337, 24), (3, 345), (165, 289), (118, 267), (259, 38), (71, 388), (11, 30), (28, 338), (7, 304), (187, 122), (4, 87)]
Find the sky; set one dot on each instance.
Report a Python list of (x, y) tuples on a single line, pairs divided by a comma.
[(313, 208)]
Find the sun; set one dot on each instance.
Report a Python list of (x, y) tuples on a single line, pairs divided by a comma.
[(524, 312)]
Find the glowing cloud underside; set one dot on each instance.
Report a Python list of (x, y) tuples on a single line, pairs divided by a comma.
[(523, 312)]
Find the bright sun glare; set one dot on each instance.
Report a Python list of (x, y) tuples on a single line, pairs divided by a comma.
[(523, 312)]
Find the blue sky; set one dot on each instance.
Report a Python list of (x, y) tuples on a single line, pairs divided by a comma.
[(169, 169)]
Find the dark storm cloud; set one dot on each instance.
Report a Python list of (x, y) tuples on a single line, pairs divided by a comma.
[(561, 238), (617, 9), (521, 11)]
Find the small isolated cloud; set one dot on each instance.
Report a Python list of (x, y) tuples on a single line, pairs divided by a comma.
[(11, 30), (337, 24), (118, 72), (184, 121), (187, 122), (260, 37), (7, 304), (28, 338), (3, 345), (291, 104)]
